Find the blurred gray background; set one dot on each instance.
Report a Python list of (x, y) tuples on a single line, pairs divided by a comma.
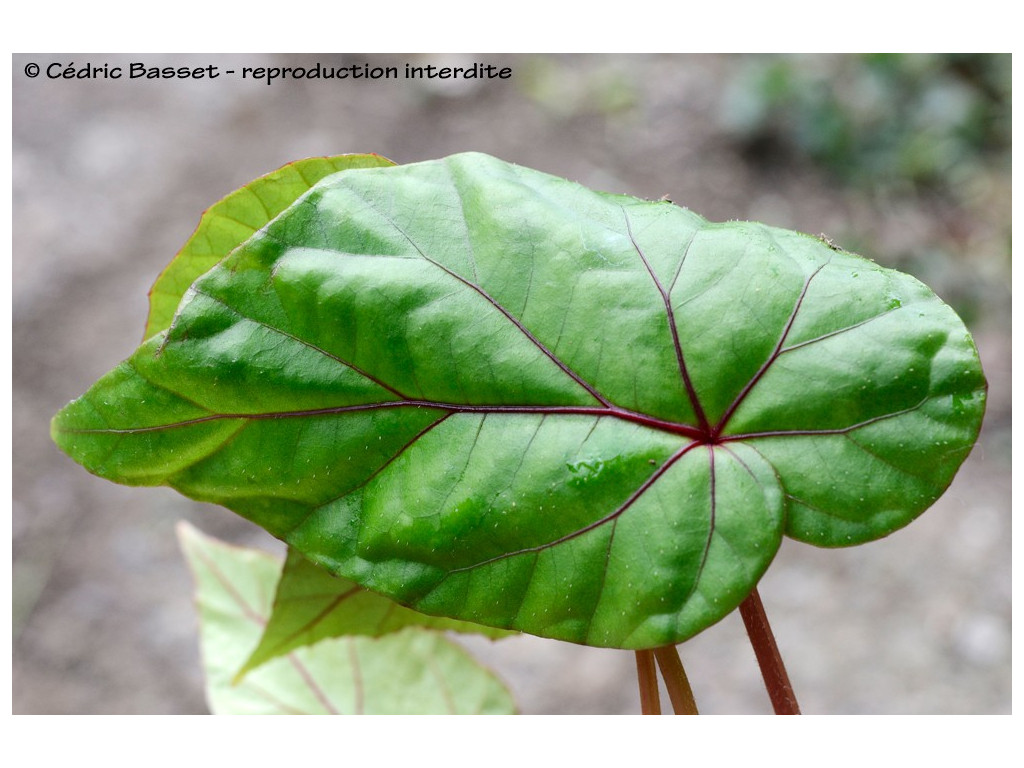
[(904, 159)]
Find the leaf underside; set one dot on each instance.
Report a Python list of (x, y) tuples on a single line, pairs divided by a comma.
[(499, 396), (412, 671)]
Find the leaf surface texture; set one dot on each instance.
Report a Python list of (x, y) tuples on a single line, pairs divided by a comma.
[(496, 395)]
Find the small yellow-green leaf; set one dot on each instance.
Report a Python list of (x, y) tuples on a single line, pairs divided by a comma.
[(413, 671)]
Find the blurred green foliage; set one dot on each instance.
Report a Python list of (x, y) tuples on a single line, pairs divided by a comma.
[(566, 87), (924, 138), (927, 120)]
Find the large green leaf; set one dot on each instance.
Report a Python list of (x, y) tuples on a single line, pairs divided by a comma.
[(222, 228), (414, 671), (496, 395), (311, 605), (233, 220)]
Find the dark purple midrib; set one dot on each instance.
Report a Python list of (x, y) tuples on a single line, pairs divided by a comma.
[(685, 430), (703, 434)]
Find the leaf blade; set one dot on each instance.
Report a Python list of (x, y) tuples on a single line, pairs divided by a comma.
[(470, 386)]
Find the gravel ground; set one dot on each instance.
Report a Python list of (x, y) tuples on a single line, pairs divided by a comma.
[(109, 180)]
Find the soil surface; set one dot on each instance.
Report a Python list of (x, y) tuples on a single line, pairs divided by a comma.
[(110, 177)]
